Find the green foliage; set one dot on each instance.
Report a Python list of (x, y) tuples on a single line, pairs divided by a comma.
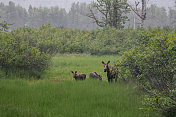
[(109, 13), (46, 40), (3, 26), (20, 55), (152, 65), (112, 41), (25, 46), (99, 41)]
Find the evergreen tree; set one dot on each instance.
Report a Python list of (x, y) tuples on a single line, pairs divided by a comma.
[(172, 18)]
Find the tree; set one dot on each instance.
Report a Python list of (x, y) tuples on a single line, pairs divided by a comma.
[(109, 13), (156, 16), (143, 13), (74, 15), (172, 18), (4, 26)]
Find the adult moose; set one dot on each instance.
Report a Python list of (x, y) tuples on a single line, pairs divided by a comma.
[(111, 71), (78, 76)]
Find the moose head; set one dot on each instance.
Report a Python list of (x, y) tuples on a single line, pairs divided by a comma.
[(74, 74), (100, 77), (106, 67)]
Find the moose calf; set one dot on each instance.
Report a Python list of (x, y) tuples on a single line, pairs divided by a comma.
[(95, 75), (78, 76)]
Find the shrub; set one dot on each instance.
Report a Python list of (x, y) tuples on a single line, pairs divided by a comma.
[(112, 41), (153, 65), (19, 56)]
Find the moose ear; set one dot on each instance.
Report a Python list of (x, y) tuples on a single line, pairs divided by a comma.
[(102, 62), (108, 62)]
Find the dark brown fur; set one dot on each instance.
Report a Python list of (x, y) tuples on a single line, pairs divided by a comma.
[(111, 71), (78, 76), (95, 75)]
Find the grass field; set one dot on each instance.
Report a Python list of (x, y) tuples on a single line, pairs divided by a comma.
[(59, 95), (63, 64)]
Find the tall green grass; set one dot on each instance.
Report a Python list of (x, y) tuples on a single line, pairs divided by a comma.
[(59, 95), (63, 64), (90, 98)]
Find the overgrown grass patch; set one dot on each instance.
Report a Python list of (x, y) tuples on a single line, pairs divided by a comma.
[(59, 95), (63, 64), (90, 98)]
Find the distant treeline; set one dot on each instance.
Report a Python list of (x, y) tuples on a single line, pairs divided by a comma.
[(76, 17), (55, 16)]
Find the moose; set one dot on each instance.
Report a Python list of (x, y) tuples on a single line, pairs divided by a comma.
[(95, 75), (111, 71), (78, 76)]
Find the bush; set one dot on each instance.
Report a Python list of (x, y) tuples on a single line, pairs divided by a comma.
[(24, 48), (153, 65), (18, 55), (112, 41), (99, 41)]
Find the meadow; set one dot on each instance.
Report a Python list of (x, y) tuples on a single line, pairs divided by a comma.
[(63, 64), (57, 94)]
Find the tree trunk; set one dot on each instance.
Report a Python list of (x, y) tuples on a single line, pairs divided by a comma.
[(143, 14)]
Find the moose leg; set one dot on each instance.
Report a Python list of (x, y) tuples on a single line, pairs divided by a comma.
[(109, 80)]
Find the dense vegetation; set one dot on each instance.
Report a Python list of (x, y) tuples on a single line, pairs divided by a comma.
[(29, 49), (21, 55), (148, 56), (60, 95), (152, 63)]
